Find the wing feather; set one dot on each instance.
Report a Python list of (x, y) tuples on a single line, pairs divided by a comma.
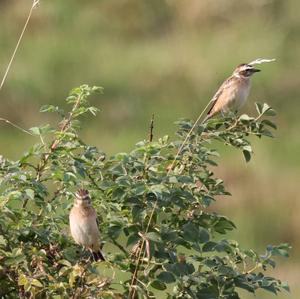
[(226, 84)]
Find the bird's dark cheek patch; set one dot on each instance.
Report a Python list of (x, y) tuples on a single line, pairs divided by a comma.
[(246, 73)]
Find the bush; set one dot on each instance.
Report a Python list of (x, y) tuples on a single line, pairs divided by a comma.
[(159, 238)]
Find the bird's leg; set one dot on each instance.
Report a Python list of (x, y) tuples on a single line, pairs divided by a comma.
[(94, 256), (83, 257)]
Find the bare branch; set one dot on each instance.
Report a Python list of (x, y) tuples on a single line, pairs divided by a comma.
[(151, 128)]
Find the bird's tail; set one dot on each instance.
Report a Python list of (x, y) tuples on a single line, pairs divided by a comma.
[(207, 117), (98, 256)]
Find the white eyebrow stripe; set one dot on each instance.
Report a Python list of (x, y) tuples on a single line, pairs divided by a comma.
[(247, 67), (85, 197)]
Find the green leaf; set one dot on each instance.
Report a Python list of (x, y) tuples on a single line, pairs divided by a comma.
[(93, 110), (191, 232), (265, 108), (158, 190), (22, 280), (51, 108), (209, 246), (155, 237), (247, 148), (203, 235), (65, 263), (242, 283), (223, 224), (30, 193), (270, 112), (259, 107), (280, 250), (36, 283), (114, 231), (166, 277), (133, 239), (14, 260), (267, 133), (156, 284), (269, 123), (245, 118), (247, 155), (285, 286), (35, 131), (2, 241), (223, 246)]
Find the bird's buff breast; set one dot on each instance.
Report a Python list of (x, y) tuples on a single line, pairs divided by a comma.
[(84, 231), (238, 97)]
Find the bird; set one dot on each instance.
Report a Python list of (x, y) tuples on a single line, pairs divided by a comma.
[(84, 225), (234, 91)]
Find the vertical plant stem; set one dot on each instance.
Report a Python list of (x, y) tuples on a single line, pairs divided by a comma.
[(132, 289), (187, 138), (151, 128), (54, 144), (34, 4)]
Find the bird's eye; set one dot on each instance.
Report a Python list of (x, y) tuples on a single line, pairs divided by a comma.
[(245, 73)]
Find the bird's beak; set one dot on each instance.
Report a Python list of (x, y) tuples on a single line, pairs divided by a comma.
[(255, 70)]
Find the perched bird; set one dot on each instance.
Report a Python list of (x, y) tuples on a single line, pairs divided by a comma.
[(233, 93), (84, 225)]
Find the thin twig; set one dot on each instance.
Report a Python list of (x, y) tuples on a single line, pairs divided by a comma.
[(80, 280), (55, 194), (187, 138), (54, 144), (151, 128), (34, 4), (134, 277), (116, 243), (15, 126)]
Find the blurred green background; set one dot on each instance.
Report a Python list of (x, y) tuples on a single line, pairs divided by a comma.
[(167, 57)]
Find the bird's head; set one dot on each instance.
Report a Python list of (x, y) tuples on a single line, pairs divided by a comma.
[(245, 70), (82, 197)]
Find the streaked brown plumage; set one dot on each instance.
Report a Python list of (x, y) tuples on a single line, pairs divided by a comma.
[(233, 93), (83, 224)]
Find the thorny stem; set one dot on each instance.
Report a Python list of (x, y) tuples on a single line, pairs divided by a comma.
[(54, 144)]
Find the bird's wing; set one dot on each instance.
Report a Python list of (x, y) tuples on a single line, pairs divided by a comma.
[(226, 84), (93, 214)]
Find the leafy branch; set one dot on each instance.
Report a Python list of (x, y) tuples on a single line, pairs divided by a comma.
[(155, 225)]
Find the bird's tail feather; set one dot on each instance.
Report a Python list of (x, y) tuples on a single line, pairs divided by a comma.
[(207, 117), (98, 256)]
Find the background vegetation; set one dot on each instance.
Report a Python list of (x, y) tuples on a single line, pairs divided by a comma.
[(167, 58)]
